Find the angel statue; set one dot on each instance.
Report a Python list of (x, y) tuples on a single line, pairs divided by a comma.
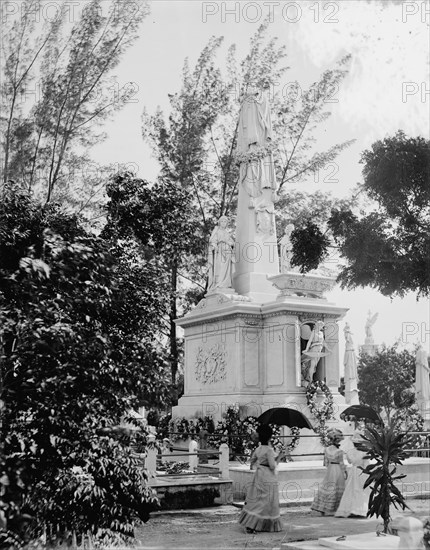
[(371, 320), (313, 353)]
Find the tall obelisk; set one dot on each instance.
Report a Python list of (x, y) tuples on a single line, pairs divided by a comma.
[(256, 243)]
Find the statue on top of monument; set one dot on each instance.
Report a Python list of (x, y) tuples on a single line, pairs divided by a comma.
[(254, 146), (220, 256), (370, 321)]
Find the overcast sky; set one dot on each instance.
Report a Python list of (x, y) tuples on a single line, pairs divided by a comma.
[(386, 89)]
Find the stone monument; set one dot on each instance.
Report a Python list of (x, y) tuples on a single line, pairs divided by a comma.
[(369, 345), (259, 343)]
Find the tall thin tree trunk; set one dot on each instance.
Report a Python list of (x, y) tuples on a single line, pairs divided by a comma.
[(7, 144), (172, 316)]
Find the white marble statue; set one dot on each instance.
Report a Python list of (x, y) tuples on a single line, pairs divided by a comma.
[(193, 459), (287, 250), (350, 365), (220, 256), (257, 170), (422, 380), (370, 321), (313, 352)]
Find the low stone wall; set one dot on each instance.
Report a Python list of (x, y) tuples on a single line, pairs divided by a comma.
[(299, 481)]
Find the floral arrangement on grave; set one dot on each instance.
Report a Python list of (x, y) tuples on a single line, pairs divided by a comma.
[(173, 467), (182, 428), (229, 430), (163, 426), (321, 412), (233, 431)]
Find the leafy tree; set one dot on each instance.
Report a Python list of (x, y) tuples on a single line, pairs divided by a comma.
[(75, 90), (160, 218), (389, 248), (76, 353), (306, 240), (385, 380)]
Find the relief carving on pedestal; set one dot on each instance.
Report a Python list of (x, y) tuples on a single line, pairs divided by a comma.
[(211, 364)]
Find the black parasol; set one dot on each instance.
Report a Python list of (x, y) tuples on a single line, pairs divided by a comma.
[(362, 412), (283, 416)]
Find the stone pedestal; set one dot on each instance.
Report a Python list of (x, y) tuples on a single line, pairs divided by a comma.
[(247, 353), (369, 347)]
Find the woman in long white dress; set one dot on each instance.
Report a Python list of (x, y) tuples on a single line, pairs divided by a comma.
[(355, 499)]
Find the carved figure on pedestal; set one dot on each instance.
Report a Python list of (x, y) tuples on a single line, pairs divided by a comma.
[(265, 214), (313, 353), (371, 320), (350, 365), (220, 256), (254, 145), (287, 250)]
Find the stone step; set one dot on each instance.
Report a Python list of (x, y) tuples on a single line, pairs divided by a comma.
[(283, 503)]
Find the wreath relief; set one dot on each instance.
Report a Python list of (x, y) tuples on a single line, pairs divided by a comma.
[(211, 364)]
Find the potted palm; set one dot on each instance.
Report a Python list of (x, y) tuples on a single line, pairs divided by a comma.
[(386, 449), (426, 538)]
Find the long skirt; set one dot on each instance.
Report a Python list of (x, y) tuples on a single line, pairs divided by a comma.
[(330, 491), (355, 499), (261, 509)]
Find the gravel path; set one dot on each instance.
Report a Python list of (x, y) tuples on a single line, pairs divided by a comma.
[(217, 528)]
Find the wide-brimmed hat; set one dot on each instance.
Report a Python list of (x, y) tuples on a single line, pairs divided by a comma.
[(335, 435)]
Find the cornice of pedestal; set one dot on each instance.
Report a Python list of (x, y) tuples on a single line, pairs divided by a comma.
[(218, 307), (304, 307)]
